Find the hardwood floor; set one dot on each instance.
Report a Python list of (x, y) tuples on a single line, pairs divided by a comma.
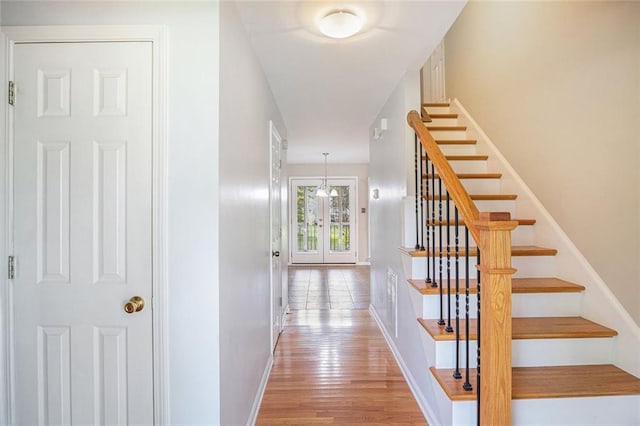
[(334, 366)]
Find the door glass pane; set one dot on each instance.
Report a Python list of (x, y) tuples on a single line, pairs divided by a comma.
[(340, 235), (307, 218)]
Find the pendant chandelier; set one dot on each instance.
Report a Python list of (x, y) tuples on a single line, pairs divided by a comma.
[(323, 188)]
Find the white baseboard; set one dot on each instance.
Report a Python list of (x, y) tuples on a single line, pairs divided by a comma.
[(415, 390), (263, 386)]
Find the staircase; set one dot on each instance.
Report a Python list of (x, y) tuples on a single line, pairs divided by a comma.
[(566, 365)]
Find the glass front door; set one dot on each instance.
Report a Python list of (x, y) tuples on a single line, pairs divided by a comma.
[(323, 227)]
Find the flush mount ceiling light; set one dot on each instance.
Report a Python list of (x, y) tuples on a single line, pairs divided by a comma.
[(340, 24)]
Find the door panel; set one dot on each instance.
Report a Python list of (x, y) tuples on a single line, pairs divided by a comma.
[(82, 231), (324, 226), (341, 222), (307, 214)]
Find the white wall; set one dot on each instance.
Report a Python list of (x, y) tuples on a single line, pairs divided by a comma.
[(389, 170), (361, 171), (559, 82), (3, 237), (193, 94), (246, 106)]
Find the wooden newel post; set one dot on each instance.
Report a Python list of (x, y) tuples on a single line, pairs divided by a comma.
[(495, 319)]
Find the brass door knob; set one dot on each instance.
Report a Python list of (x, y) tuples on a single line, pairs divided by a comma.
[(135, 304)]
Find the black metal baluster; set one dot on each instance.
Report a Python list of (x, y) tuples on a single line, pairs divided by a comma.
[(433, 229), (421, 199), (478, 350), (441, 321), (415, 169), (456, 373), (428, 221), (467, 385), (440, 234)]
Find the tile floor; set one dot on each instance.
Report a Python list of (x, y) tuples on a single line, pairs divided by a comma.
[(328, 287)]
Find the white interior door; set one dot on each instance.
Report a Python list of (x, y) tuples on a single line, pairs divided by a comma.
[(437, 74), (323, 228), (83, 233), (276, 235)]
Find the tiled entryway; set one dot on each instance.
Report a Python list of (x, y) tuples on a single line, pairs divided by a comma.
[(329, 287)]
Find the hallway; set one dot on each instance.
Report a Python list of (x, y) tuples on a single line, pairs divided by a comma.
[(332, 364)]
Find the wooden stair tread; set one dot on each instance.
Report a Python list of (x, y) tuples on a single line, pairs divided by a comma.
[(518, 286), (467, 176), (443, 115), (468, 157), (477, 157), (521, 222), (527, 328), (436, 104), (515, 251), (572, 381), (456, 141), (481, 197), (445, 128)]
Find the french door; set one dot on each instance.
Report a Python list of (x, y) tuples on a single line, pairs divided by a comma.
[(323, 228)]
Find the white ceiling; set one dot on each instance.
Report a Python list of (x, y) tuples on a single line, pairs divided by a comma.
[(330, 91)]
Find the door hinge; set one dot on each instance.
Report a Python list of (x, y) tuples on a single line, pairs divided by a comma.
[(12, 93), (11, 267), (280, 300)]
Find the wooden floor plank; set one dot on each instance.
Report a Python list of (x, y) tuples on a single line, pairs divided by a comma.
[(334, 366)]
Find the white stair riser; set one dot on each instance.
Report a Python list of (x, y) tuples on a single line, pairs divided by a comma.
[(483, 206), (526, 266), (546, 304), (469, 166), (608, 410), (449, 134), (589, 411), (523, 304), (547, 352), (443, 122), (522, 235), (533, 352), (533, 266), (458, 149), (437, 110), (473, 186)]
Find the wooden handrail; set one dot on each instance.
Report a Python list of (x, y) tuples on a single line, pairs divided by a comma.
[(457, 192)]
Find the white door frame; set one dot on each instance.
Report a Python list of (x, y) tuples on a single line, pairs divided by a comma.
[(157, 35)]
